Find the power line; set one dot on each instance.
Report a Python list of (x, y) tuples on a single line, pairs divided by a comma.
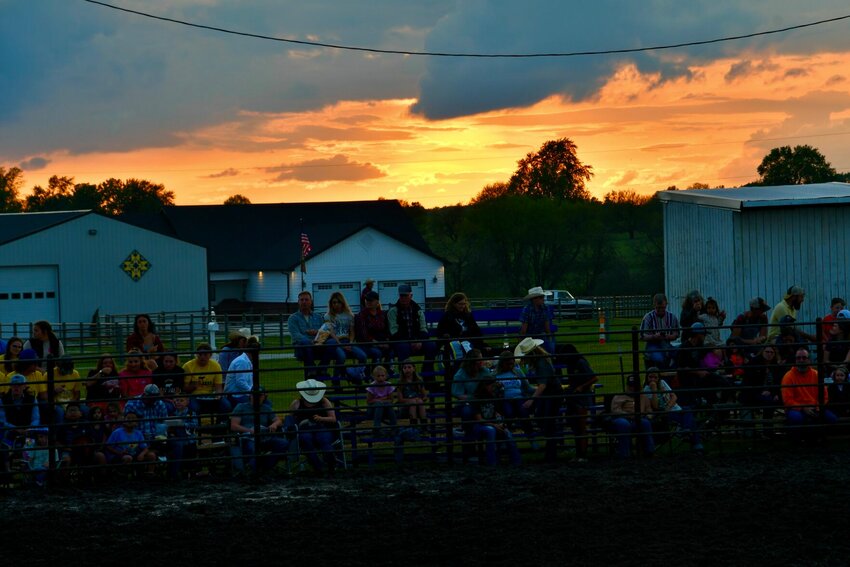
[(471, 55)]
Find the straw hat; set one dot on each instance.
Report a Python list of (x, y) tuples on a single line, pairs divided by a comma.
[(526, 346), (536, 291), (311, 390)]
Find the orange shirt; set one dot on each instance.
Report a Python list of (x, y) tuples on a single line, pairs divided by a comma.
[(801, 389)]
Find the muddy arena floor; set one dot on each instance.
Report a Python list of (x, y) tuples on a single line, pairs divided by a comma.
[(786, 508)]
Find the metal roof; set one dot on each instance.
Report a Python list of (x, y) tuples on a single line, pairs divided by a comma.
[(816, 194)]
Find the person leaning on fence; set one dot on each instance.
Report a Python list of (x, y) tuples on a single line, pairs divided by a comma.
[(658, 329), (409, 330), (303, 325), (536, 319), (626, 422), (800, 395), (315, 418), (548, 394)]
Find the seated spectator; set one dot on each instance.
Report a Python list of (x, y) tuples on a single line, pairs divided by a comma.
[(787, 341), (800, 395), (664, 404), (580, 394), (692, 307), (272, 443), (144, 338), (828, 328), (761, 380), (203, 382), (750, 327), (235, 345), (36, 454), (839, 393), (515, 390), (341, 332), (489, 425), (45, 343), (372, 330), (126, 444), (75, 438), (102, 384), (18, 412), (314, 415), (837, 345), (412, 395), (536, 319), (712, 317), (13, 350), (627, 422), (66, 385), (151, 410), (303, 326), (548, 395), (658, 329), (380, 402), (27, 366), (182, 438), (169, 374), (133, 379), (458, 324), (409, 331), (472, 369)]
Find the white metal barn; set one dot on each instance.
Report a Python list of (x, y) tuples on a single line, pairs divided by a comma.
[(63, 266), (735, 244)]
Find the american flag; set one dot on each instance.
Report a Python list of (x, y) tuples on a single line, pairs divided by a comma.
[(305, 245)]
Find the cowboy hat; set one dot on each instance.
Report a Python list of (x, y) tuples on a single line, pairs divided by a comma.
[(526, 346), (536, 291), (311, 390)]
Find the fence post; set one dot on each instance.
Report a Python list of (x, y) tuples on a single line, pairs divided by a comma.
[(254, 354), (262, 328), (192, 330)]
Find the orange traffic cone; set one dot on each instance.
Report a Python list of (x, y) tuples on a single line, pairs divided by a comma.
[(602, 330)]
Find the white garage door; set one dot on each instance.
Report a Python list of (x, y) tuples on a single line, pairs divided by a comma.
[(322, 294), (388, 290), (29, 293)]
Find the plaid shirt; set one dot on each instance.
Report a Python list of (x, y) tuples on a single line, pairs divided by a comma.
[(536, 319), (150, 416)]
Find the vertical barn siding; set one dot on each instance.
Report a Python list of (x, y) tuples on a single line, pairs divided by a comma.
[(271, 287), (767, 249), (90, 276)]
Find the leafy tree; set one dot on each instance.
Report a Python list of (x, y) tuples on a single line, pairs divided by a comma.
[(794, 166), (237, 200), (134, 195), (624, 210), (58, 196), (492, 191), (554, 171), (450, 234), (11, 181)]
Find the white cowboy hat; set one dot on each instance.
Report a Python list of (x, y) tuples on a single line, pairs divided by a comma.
[(311, 390), (526, 346), (536, 291)]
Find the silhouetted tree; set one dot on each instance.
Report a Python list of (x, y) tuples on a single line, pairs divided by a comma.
[(554, 171), (237, 200), (794, 166), (11, 181)]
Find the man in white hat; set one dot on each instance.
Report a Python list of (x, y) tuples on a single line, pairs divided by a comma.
[(536, 319)]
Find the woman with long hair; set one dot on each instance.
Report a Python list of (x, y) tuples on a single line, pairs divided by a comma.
[(340, 328), (14, 346), (44, 342)]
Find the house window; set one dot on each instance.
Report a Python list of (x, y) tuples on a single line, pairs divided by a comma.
[(39, 295), (27, 295)]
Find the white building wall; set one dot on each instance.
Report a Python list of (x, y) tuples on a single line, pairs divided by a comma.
[(90, 276), (266, 287), (371, 254)]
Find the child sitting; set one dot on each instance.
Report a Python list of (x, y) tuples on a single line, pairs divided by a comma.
[(127, 444), (412, 393), (379, 400), (712, 318), (37, 454)]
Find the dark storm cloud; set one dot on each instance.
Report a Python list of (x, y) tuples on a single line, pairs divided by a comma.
[(34, 163)]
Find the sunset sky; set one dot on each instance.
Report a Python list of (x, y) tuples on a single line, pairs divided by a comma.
[(92, 93)]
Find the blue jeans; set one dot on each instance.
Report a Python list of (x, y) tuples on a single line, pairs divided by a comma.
[(276, 444), (686, 420), (797, 419), (380, 411), (316, 358), (315, 440), (493, 437), (428, 350), (624, 428), (340, 354)]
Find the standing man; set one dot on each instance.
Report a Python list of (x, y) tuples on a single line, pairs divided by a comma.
[(409, 329), (659, 329), (788, 307), (303, 326), (536, 319)]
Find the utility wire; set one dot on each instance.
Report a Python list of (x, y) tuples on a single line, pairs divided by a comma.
[(473, 55)]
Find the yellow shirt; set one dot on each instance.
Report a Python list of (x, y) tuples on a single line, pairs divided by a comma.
[(71, 382), (35, 382), (206, 378)]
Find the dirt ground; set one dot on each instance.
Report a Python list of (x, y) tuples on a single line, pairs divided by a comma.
[(787, 508)]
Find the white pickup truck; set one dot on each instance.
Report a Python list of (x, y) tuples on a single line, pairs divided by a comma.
[(569, 307)]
